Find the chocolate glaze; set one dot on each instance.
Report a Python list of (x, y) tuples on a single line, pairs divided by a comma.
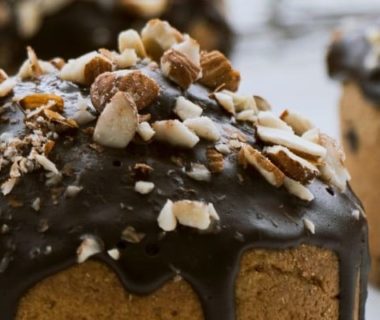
[(88, 25), (253, 214), (346, 60)]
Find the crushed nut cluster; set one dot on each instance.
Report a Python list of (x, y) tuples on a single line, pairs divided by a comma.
[(292, 151)]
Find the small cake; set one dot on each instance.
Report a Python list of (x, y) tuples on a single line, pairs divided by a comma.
[(354, 58), (70, 28), (139, 184)]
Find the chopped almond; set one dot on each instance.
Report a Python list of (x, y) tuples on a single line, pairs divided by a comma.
[(204, 128), (299, 123)]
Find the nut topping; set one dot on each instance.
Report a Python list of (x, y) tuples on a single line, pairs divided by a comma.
[(215, 160), (218, 72), (86, 68), (249, 155), (179, 68), (268, 119), (185, 109), (297, 189), (3, 76), (89, 247), (6, 87), (117, 124), (143, 89), (204, 128), (299, 123), (130, 39), (145, 131), (36, 100)]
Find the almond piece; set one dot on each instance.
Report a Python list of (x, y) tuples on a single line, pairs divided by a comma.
[(218, 72), (126, 59), (262, 104), (297, 189), (268, 119), (299, 123), (130, 39), (144, 187), (295, 143), (226, 101), (36, 100), (158, 36), (194, 214), (6, 87), (190, 48), (166, 219), (292, 165), (58, 62), (179, 68), (175, 133), (309, 225), (3, 76), (265, 167), (117, 124), (89, 247), (199, 172), (33, 67), (143, 89), (7, 186), (86, 68), (204, 128), (332, 169), (185, 109), (145, 131), (215, 160)]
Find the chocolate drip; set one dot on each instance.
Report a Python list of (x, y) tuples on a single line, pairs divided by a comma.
[(253, 214), (347, 59)]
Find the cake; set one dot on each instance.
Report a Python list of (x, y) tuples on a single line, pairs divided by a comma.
[(354, 59), (140, 185), (49, 26)]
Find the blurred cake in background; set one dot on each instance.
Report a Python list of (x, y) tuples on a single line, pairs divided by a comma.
[(354, 59), (72, 27)]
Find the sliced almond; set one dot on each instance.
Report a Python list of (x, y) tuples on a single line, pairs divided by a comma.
[(218, 71), (6, 87), (194, 214), (309, 225), (185, 109), (265, 167), (299, 123), (295, 143), (158, 36), (145, 131), (297, 189), (117, 124), (89, 247), (166, 219), (175, 133), (143, 89), (204, 128), (36, 100), (292, 165), (86, 68), (226, 101), (268, 119), (130, 39), (179, 68)]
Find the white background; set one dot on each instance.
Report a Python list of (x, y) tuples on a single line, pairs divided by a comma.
[(281, 52)]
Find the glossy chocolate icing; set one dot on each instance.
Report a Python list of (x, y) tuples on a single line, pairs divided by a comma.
[(83, 26), (348, 57), (253, 214)]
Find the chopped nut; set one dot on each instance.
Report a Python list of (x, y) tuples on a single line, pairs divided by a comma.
[(145, 131), (265, 167), (215, 160), (33, 67), (268, 119), (295, 143), (166, 219), (143, 89), (56, 117), (292, 165), (309, 225), (297, 189), (179, 68), (175, 133), (223, 148), (6, 87), (89, 247), (128, 58), (243, 102), (247, 115), (218, 71), (185, 109), (3, 76), (114, 254), (226, 101), (45, 163), (144, 187), (199, 172), (58, 63), (36, 100), (130, 39), (85, 69), (72, 191), (203, 127), (332, 169), (262, 104), (356, 214), (299, 123), (82, 116), (34, 63), (312, 135), (190, 48), (7, 186), (130, 235), (117, 124), (36, 204), (158, 36)]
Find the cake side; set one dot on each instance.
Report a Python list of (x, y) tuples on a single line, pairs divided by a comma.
[(160, 169)]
